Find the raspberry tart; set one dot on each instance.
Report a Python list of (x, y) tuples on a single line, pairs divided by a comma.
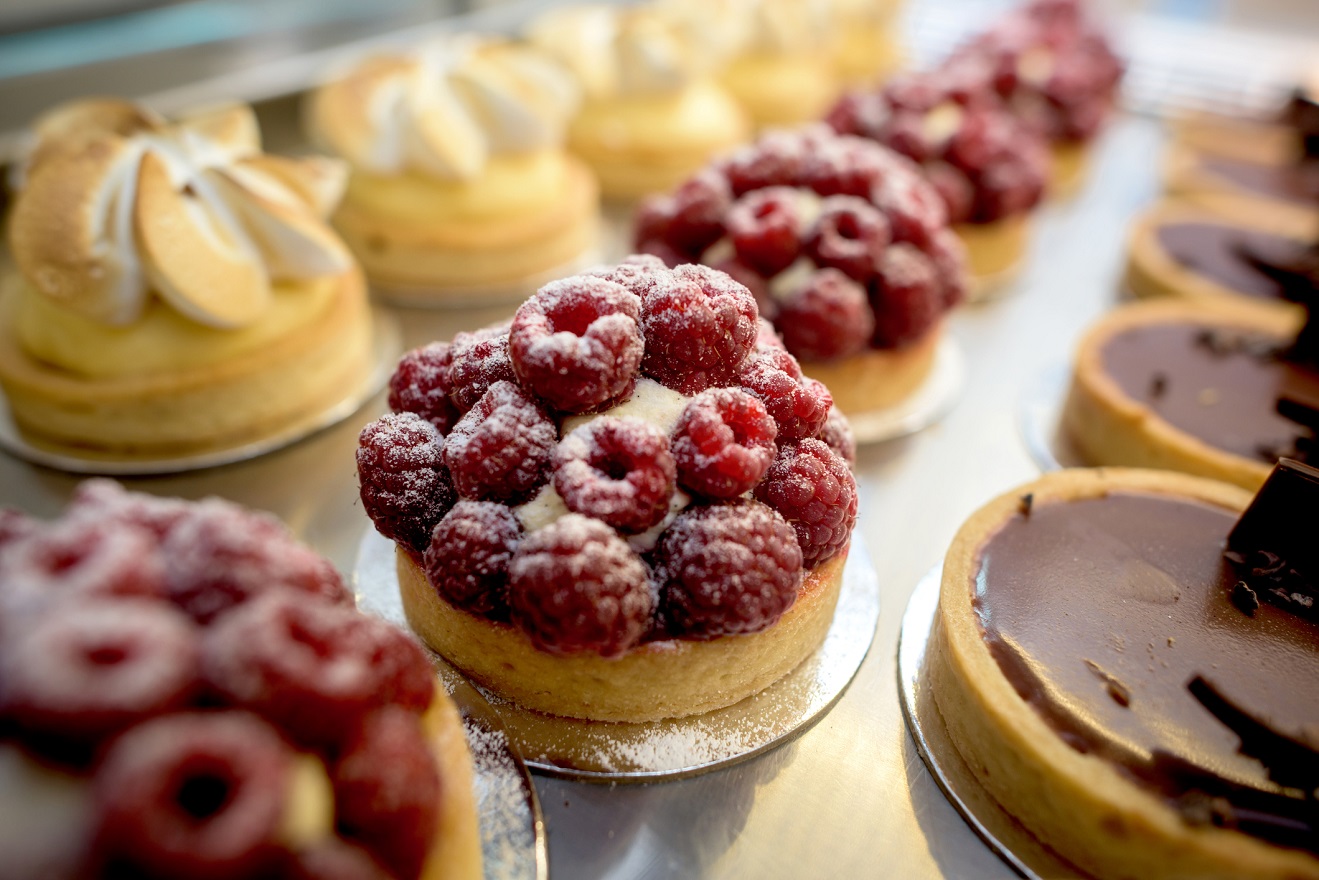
[(177, 290), (188, 692), (461, 185), (624, 506), (1131, 670), (1052, 65), (842, 241), (989, 167)]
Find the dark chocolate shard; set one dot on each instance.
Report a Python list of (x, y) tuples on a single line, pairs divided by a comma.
[(1024, 504), (1273, 545), (1246, 599)]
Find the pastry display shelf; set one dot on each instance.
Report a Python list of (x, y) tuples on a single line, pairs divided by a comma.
[(850, 797)]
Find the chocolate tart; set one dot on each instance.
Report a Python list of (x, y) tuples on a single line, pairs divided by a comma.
[(1073, 612), (1286, 190), (671, 678), (1186, 251), (1186, 387)]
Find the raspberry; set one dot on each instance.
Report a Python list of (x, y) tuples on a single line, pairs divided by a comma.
[(904, 132), (222, 556), (767, 336), (467, 560), (775, 160), (333, 859), (192, 795), (696, 210), (404, 483), (799, 405), (956, 190), (837, 435), (500, 450), (848, 235), (949, 258), (15, 524), (639, 273), (80, 557), (387, 791), (916, 92), (699, 327), (907, 297), (728, 569), (616, 470), (763, 227), (575, 586), (312, 668), (480, 359), (723, 443), (654, 215), (914, 209), (91, 669), (576, 343), (420, 384), (751, 280), (859, 113), (664, 252), (827, 319), (846, 166), (813, 489), (107, 500)]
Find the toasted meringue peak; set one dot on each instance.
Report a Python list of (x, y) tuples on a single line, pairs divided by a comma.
[(444, 109), (615, 52), (118, 204)]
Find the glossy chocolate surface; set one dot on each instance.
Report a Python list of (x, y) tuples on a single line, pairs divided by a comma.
[(1291, 183), (1100, 611), (1218, 252), (1222, 389)]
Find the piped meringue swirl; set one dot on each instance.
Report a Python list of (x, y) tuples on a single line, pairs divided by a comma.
[(445, 109), (117, 204)]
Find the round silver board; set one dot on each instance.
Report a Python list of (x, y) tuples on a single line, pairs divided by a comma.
[(386, 346), (512, 828), (926, 405), (1022, 852), (606, 752), (1039, 417)]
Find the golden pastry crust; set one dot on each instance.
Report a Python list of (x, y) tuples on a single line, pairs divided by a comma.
[(1268, 143), (193, 410), (1069, 168), (429, 262), (877, 377), (1186, 176), (1077, 805), (995, 252), (666, 679), (1151, 272), (456, 852), (1109, 427), (783, 90)]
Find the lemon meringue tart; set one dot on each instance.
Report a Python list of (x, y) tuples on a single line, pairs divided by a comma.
[(461, 187), (177, 291), (653, 112)]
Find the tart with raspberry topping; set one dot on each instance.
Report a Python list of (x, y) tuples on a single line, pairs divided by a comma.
[(188, 692), (989, 167), (846, 248), (641, 510)]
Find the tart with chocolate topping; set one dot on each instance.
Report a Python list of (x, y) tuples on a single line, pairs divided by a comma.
[(188, 692), (1100, 669), (627, 505), (1208, 390), (844, 244)]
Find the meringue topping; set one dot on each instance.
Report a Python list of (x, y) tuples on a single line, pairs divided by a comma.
[(617, 52), (445, 109), (117, 204)]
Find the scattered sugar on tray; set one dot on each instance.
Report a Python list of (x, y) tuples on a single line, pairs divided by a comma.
[(508, 837)]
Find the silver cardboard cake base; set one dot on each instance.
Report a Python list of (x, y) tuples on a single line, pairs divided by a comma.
[(610, 752), (931, 401), (1039, 417)]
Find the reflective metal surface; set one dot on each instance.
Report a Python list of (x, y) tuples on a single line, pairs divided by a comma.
[(1040, 414), (850, 797)]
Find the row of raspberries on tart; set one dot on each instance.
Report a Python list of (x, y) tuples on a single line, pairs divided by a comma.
[(695, 532), (843, 243), (184, 659)]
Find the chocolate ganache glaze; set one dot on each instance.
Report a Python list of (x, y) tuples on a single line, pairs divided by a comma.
[(1100, 612), (1217, 384), (1290, 183), (1221, 252)]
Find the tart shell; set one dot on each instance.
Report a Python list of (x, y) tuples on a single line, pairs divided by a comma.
[(1109, 427), (657, 680), (994, 252), (1077, 805), (877, 377)]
